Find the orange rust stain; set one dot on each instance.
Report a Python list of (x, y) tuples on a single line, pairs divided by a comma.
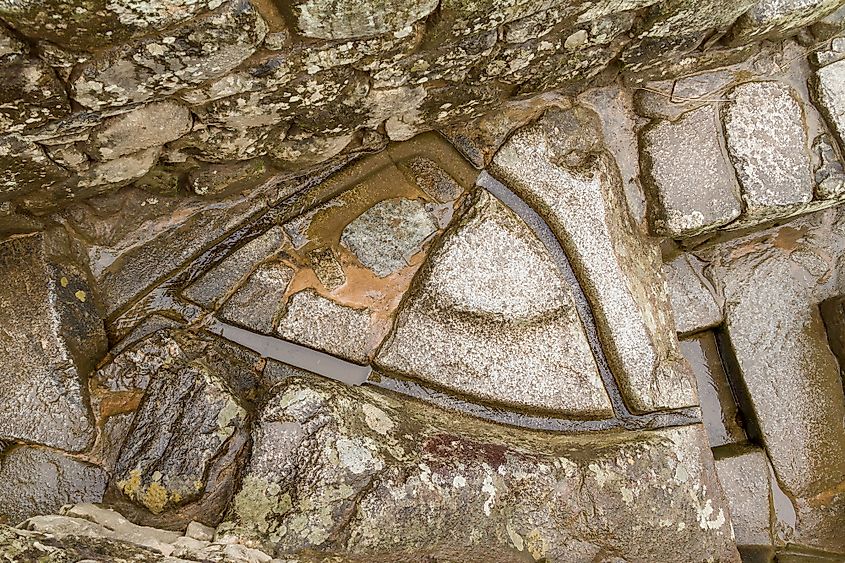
[(120, 402), (787, 238)]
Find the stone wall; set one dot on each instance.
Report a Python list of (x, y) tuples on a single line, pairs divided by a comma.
[(199, 95)]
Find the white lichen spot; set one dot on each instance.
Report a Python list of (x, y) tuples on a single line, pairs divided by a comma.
[(356, 457), (377, 419), (515, 538), (489, 489), (459, 482), (704, 514)]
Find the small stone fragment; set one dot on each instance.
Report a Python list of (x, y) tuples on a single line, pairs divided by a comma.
[(199, 531), (767, 143), (386, 236), (39, 481), (327, 268), (745, 479), (256, 304), (691, 184), (226, 274), (829, 90), (149, 126), (121, 170), (693, 297), (317, 322)]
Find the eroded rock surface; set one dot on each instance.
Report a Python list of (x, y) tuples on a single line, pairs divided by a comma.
[(51, 338), (324, 451)]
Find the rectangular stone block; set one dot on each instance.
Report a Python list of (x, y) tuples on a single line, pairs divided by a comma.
[(745, 480), (51, 337)]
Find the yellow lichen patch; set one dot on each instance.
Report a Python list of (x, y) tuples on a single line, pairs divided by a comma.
[(132, 486), (80, 295), (64, 281), (155, 498)]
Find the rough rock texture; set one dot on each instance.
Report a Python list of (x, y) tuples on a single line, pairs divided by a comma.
[(386, 236), (148, 126), (764, 129), (558, 166), (182, 452), (317, 322), (745, 480), (223, 277), (773, 282), (256, 304), (36, 480), (830, 95), (492, 317), (692, 187), (415, 488), (51, 338), (695, 302)]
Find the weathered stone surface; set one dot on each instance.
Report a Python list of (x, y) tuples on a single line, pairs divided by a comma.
[(30, 95), (225, 275), (120, 171), (773, 18), (719, 410), (829, 90), (767, 143), (694, 299), (39, 481), (22, 545), (387, 235), (256, 304), (313, 320), (182, 452), (692, 186), (419, 488), (51, 338), (156, 66), (772, 282), (492, 317), (829, 172), (149, 126), (26, 168), (558, 166), (358, 18), (745, 480), (92, 24)]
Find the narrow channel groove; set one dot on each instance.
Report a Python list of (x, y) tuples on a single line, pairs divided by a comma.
[(166, 298)]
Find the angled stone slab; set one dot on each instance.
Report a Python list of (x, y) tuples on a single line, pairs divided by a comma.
[(493, 318), (427, 483), (772, 283), (745, 479), (695, 302), (829, 94), (558, 166), (51, 337)]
